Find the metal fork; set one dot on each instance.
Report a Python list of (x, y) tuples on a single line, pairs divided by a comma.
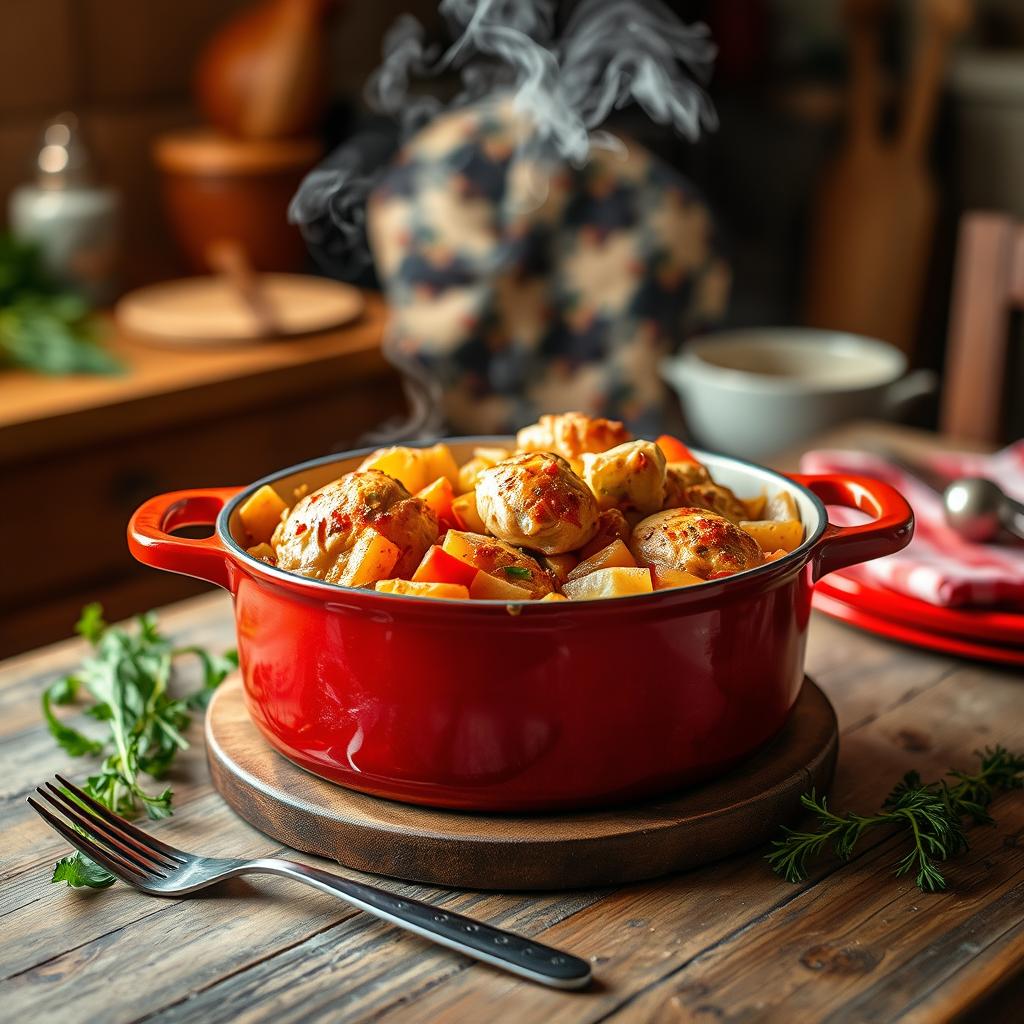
[(158, 869)]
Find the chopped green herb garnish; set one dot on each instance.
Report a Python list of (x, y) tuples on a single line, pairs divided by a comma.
[(518, 571), (127, 677)]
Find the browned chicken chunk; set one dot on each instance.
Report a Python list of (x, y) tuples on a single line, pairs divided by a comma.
[(629, 476), (319, 533), (696, 540), (570, 434), (535, 500)]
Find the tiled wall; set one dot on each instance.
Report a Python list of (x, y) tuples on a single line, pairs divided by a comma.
[(125, 67)]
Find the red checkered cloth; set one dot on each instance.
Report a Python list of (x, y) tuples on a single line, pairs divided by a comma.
[(938, 566)]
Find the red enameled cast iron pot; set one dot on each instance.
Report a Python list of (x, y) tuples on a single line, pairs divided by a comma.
[(492, 707)]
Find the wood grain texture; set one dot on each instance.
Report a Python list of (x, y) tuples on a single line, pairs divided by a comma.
[(730, 941), (506, 852)]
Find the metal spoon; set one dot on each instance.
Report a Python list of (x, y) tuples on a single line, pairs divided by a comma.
[(978, 509)]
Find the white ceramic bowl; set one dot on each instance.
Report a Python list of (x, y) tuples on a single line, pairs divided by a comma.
[(758, 391)]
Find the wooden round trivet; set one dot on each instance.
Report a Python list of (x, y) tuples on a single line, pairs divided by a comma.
[(489, 851)]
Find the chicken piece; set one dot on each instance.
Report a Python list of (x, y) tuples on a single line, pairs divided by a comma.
[(716, 498), (534, 499), (679, 476), (319, 533), (630, 476), (696, 541), (570, 434)]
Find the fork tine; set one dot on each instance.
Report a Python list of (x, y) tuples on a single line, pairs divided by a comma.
[(99, 832), (124, 826), (116, 867)]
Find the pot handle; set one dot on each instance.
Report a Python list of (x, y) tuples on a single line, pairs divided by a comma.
[(150, 541), (841, 546)]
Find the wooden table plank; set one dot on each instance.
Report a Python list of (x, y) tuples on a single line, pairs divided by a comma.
[(731, 940)]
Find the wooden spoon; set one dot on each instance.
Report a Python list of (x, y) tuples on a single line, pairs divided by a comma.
[(875, 214)]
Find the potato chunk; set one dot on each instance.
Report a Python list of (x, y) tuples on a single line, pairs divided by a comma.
[(615, 582), (615, 554), (410, 589), (261, 513), (772, 534)]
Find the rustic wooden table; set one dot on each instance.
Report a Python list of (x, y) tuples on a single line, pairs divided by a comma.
[(731, 941)]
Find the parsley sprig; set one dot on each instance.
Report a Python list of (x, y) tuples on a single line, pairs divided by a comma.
[(929, 815), (43, 326), (128, 677)]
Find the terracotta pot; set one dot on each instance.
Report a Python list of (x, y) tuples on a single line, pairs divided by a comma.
[(489, 707), (219, 190)]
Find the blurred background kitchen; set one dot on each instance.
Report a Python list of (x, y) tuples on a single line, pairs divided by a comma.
[(144, 143)]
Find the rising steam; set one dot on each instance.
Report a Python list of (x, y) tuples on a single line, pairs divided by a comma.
[(611, 53)]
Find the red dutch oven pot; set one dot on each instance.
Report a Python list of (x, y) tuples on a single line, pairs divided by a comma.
[(485, 706)]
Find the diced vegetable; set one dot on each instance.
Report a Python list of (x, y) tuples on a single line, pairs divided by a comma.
[(674, 450), (469, 473), (774, 556), (460, 545), (755, 507), (440, 567), (261, 513), (440, 462), (491, 456), (615, 554), (264, 552), (443, 590), (439, 496), (615, 582), (666, 578), (559, 565), (781, 508), (409, 466), (372, 557), (466, 515), (772, 535), (489, 588), (553, 597), (611, 525)]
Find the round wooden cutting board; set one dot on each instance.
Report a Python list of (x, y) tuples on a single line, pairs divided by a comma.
[(199, 311), (489, 851)]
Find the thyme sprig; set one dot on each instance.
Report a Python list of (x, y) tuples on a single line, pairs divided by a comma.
[(930, 816)]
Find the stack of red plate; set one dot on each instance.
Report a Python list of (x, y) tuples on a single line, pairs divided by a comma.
[(987, 635)]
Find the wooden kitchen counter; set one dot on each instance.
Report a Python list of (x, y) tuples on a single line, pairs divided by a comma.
[(730, 942), (78, 454)]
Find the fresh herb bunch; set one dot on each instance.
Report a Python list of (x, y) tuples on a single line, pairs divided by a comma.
[(43, 326), (127, 677), (930, 815)]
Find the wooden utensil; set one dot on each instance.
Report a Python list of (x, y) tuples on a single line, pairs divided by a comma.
[(875, 212), (520, 852), (263, 76), (230, 258)]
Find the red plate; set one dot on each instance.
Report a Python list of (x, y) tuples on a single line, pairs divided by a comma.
[(892, 630), (1003, 628)]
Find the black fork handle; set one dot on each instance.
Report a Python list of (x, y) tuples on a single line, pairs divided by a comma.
[(532, 960)]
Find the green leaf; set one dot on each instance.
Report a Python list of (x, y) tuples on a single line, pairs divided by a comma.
[(80, 872), (128, 675), (91, 623), (518, 571), (76, 743)]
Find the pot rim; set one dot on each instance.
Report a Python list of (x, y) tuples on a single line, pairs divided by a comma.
[(793, 560)]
